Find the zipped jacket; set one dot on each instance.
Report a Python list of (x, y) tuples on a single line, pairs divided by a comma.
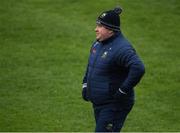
[(112, 64)]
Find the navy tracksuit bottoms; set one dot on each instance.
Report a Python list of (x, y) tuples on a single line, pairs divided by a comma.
[(111, 117)]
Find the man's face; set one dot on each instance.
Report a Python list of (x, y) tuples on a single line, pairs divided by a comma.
[(102, 33)]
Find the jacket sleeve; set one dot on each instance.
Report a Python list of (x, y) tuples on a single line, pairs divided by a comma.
[(85, 75), (130, 60), (86, 72)]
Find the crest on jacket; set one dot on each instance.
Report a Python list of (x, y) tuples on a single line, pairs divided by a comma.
[(104, 55)]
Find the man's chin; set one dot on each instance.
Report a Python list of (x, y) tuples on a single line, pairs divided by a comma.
[(98, 39)]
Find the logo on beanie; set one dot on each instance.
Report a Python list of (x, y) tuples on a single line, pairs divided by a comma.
[(103, 15)]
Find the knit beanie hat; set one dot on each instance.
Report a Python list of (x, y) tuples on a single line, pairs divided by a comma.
[(110, 19)]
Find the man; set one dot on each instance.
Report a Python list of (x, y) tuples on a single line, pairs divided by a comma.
[(113, 70)]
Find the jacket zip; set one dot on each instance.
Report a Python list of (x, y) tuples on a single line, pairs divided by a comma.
[(88, 83)]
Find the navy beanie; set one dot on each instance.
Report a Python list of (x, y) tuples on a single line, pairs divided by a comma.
[(110, 19)]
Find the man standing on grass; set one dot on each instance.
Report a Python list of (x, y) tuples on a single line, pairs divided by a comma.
[(113, 70)]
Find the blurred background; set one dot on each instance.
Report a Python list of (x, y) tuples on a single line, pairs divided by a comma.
[(44, 47)]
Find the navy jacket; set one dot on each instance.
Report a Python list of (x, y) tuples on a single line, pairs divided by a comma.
[(112, 64)]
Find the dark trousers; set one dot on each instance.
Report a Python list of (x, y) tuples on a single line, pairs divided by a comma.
[(110, 118)]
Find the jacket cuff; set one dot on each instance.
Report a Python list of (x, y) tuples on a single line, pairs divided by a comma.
[(121, 91), (124, 89), (84, 85)]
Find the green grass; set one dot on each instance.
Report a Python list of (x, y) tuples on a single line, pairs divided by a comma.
[(44, 46)]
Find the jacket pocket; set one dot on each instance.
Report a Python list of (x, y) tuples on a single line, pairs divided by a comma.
[(113, 88)]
